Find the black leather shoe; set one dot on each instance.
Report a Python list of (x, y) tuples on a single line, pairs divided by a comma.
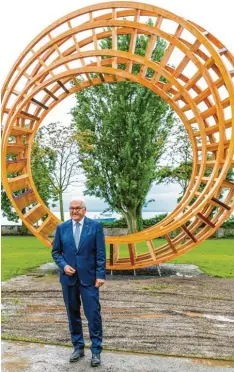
[(96, 360), (76, 355)]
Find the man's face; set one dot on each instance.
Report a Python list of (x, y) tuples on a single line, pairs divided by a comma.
[(77, 211)]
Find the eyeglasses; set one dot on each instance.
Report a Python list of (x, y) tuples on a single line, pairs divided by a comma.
[(76, 209)]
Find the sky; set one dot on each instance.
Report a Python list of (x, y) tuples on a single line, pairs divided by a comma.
[(22, 20)]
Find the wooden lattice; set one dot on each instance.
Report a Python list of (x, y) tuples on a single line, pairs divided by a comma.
[(198, 69)]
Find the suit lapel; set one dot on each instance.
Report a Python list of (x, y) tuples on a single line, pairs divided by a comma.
[(84, 232), (70, 233)]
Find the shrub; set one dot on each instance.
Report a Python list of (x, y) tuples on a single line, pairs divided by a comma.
[(121, 223), (229, 223)]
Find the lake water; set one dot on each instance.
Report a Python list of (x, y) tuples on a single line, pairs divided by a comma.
[(95, 214), (90, 214)]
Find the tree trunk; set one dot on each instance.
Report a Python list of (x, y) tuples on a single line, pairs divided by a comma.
[(139, 218), (131, 219), (134, 219), (24, 229), (61, 205)]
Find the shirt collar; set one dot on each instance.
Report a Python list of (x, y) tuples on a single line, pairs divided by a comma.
[(81, 222)]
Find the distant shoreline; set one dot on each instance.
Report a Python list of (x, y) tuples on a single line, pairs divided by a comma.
[(90, 214)]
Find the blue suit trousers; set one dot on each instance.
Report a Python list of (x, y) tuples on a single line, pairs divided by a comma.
[(90, 299)]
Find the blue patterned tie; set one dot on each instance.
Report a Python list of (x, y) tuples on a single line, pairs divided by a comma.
[(77, 234)]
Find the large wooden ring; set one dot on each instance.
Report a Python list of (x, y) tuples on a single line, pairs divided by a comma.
[(199, 88)]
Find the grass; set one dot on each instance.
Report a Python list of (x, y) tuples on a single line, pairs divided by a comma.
[(20, 254), (140, 248), (214, 257)]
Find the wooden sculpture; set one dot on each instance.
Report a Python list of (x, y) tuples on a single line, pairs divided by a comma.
[(199, 88)]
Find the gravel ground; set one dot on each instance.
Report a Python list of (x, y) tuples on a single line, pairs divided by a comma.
[(177, 316)]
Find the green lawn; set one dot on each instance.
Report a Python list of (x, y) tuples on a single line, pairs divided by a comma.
[(19, 254), (140, 248), (214, 257)]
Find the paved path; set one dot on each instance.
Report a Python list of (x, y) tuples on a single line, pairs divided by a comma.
[(32, 357)]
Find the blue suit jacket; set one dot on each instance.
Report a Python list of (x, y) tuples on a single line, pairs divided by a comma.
[(89, 260)]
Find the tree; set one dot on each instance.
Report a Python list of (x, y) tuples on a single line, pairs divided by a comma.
[(7, 210), (179, 162), (54, 166), (121, 133), (178, 158), (43, 160), (66, 167)]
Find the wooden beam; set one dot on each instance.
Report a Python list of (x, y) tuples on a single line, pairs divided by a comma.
[(189, 233), (20, 131), (228, 184), (19, 182), (151, 247), (51, 94), (14, 166), (44, 224), (15, 149), (214, 146), (132, 253), (111, 254), (206, 220), (63, 86), (168, 239), (221, 204), (47, 226), (35, 214), (39, 103), (25, 199), (26, 115)]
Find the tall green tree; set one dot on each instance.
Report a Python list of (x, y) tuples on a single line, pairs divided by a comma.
[(121, 133)]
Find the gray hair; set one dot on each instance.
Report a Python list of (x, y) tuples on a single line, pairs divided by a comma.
[(82, 201)]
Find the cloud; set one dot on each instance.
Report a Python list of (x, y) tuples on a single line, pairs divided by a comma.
[(165, 197)]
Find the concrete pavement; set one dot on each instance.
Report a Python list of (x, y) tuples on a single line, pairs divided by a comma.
[(33, 357)]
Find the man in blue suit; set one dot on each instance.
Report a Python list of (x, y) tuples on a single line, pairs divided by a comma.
[(79, 251)]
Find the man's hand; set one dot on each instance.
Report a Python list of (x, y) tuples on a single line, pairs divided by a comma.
[(69, 270), (99, 282)]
